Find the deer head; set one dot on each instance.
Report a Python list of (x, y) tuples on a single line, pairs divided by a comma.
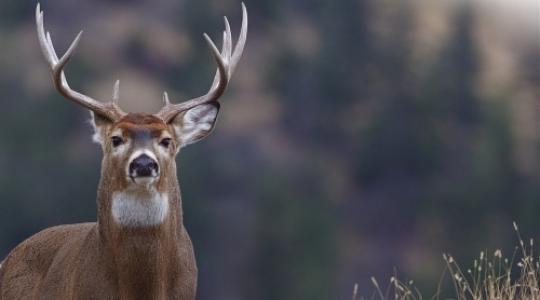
[(139, 149)]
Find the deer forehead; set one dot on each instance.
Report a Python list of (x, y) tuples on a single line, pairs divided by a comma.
[(141, 126)]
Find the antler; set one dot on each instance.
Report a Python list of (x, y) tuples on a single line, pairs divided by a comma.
[(226, 63), (109, 110)]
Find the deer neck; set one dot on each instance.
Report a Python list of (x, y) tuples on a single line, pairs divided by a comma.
[(140, 231)]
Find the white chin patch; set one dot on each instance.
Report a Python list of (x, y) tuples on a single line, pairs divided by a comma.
[(143, 180), (137, 209)]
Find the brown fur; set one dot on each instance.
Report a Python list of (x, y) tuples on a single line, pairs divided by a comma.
[(104, 260)]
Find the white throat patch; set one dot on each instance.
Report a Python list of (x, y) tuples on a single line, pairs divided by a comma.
[(134, 209)]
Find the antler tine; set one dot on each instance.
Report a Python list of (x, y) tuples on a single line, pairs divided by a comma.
[(226, 63), (116, 92), (166, 99), (49, 42), (228, 43), (239, 48), (222, 72), (109, 110), (224, 50)]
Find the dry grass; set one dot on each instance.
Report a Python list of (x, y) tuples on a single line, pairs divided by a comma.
[(492, 276)]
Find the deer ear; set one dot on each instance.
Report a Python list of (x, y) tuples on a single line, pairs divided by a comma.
[(100, 125), (196, 123)]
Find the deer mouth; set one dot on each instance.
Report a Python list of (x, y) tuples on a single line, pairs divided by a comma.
[(143, 180)]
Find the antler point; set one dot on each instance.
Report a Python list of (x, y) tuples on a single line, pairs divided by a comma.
[(116, 91), (166, 98)]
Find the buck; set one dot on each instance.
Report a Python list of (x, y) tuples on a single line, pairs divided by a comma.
[(139, 247)]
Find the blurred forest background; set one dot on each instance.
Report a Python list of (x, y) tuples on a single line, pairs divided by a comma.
[(358, 136)]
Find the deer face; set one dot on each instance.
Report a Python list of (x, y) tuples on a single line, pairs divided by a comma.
[(139, 149)]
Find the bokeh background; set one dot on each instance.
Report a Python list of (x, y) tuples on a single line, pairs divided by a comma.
[(358, 137)]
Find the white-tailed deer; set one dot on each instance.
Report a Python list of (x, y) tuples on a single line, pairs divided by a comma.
[(139, 247)]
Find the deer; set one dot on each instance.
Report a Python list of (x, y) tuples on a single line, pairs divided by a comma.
[(138, 248)]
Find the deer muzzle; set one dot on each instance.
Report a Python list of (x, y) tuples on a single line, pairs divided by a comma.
[(143, 168)]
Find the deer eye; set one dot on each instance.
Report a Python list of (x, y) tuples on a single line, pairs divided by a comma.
[(165, 142), (117, 141)]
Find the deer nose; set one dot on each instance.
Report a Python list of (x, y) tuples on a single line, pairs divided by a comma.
[(143, 166)]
